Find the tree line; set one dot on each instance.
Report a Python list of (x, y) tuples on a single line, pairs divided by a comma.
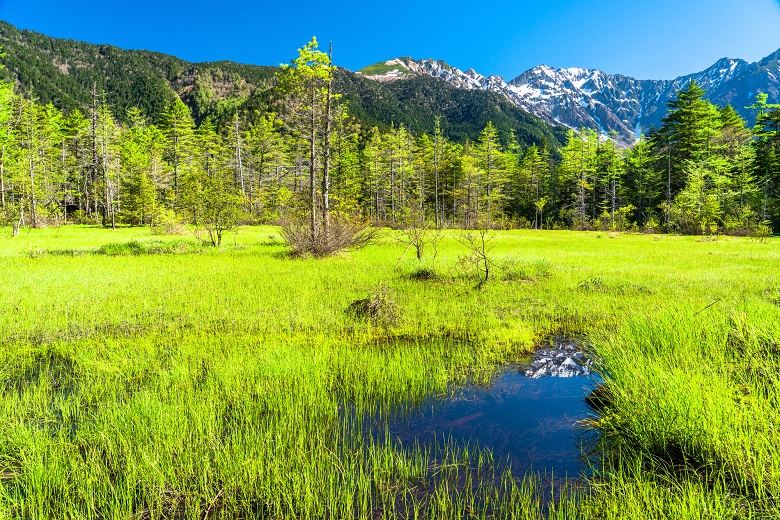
[(702, 171)]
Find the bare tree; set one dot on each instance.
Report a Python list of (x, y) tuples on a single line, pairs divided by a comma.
[(479, 243)]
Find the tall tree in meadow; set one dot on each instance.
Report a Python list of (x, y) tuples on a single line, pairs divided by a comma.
[(137, 151), (78, 150), (346, 163), (741, 193), (641, 182), (307, 83), (576, 177), (372, 191), (767, 157), (609, 178), (265, 191), (688, 133), (212, 195), (33, 132), (7, 141), (692, 124), (108, 137)]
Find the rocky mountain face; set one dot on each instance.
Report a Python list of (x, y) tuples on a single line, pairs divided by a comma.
[(594, 99)]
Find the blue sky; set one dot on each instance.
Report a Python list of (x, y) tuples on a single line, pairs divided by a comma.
[(647, 39)]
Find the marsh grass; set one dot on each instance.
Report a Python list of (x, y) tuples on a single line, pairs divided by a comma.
[(218, 384), (692, 400), (130, 248)]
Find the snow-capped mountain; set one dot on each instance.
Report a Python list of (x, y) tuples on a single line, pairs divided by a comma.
[(594, 99)]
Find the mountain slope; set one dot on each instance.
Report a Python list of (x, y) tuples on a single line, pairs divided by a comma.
[(63, 72), (416, 101), (591, 98)]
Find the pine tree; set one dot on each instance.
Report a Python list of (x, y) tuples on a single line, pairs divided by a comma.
[(767, 158)]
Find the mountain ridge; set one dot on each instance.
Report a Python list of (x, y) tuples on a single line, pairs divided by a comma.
[(64, 71), (611, 103)]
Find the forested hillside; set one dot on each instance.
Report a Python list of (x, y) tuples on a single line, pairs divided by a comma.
[(317, 141), (64, 72)]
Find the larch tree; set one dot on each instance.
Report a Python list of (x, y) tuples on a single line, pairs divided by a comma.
[(307, 83), (491, 161)]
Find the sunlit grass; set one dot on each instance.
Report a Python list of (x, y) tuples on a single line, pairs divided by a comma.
[(164, 378)]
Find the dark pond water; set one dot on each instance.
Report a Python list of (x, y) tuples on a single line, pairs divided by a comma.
[(528, 416)]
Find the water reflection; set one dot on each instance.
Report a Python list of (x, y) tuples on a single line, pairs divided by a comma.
[(528, 416)]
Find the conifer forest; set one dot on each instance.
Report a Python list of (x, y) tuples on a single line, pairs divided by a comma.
[(702, 172)]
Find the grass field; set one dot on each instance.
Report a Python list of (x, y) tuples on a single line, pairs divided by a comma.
[(162, 379)]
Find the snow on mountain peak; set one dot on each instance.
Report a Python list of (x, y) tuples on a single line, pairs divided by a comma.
[(578, 97)]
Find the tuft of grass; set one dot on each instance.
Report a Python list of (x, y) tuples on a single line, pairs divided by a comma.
[(152, 247), (131, 248), (692, 400), (513, 269), (379, 307)]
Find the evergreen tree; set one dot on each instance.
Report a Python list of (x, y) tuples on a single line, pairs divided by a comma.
[(491, 161), (177, 126), (307, 83), (767, 158)]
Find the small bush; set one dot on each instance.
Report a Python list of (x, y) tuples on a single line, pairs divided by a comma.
[(166, 222), (424, 273), (761, 233), (122, 249), (342, 234), (379, 307)]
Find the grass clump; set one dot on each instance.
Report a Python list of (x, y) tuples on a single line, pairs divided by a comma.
[(425, 273), (772, 294), (686, 401), (379, 307), (515, 269), (130, 248), (151, 247)]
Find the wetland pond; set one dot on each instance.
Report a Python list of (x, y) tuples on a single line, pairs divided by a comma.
[(527, 416)]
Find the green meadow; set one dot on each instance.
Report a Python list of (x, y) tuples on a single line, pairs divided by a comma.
[(152, 377)]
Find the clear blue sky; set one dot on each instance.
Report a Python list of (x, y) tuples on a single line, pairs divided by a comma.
[(647, 39)]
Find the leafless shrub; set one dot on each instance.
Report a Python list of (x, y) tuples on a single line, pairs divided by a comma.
[(420, 236), (479, 243), (341, 234)]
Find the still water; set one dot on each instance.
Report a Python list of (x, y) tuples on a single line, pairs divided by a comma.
[(528, 416)]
